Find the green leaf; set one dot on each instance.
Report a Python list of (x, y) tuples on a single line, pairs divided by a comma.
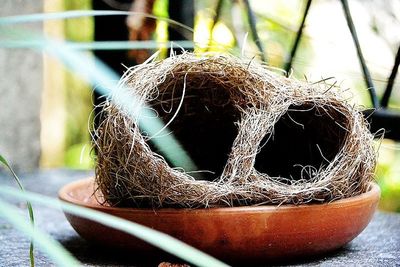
[(28, 204), (153, 237), (100, 45), (104, 80), (52, 248), (82, 13)]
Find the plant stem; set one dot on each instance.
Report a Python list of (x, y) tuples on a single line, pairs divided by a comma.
[(392, 77), (28, 204), (252, 22), (367, 74), (288, 65)]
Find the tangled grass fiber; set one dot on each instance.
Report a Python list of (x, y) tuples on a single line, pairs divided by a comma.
[(262, 138)]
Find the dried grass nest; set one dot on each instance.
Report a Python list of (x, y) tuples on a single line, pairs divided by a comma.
[(266, 138)]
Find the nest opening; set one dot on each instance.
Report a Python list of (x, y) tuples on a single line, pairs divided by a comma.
[(305, 140), (204, 125), (267, 139)]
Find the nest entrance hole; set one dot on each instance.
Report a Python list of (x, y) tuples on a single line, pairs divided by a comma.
[(305, 140), (205, 124)]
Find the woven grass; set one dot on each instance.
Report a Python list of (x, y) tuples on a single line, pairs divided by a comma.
[(263, 138)]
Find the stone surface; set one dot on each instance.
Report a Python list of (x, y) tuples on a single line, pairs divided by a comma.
[(21, 72), (378, 245)]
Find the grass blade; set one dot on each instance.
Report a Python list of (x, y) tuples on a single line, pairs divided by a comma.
[(105, 81), (28, 204), (38, 17), (52, 248), (153, 237), (101, 45)]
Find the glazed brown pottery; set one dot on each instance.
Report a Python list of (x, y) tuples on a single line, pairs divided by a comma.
[(253, 233)]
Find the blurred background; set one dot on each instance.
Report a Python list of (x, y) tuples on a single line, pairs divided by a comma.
[(47, 110)]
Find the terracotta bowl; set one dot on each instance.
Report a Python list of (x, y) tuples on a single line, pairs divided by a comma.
[(257, 233)]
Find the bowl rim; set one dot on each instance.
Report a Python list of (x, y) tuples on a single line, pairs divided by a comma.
[(63, 194)]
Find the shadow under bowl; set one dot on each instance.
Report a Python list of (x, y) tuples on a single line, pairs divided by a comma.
[(236, 234)]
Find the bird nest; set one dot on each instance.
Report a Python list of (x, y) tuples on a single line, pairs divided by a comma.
[(262, 138)]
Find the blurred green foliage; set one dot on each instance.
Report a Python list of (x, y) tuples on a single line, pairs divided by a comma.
[(160, 9), (388, 175), (78, 93)]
